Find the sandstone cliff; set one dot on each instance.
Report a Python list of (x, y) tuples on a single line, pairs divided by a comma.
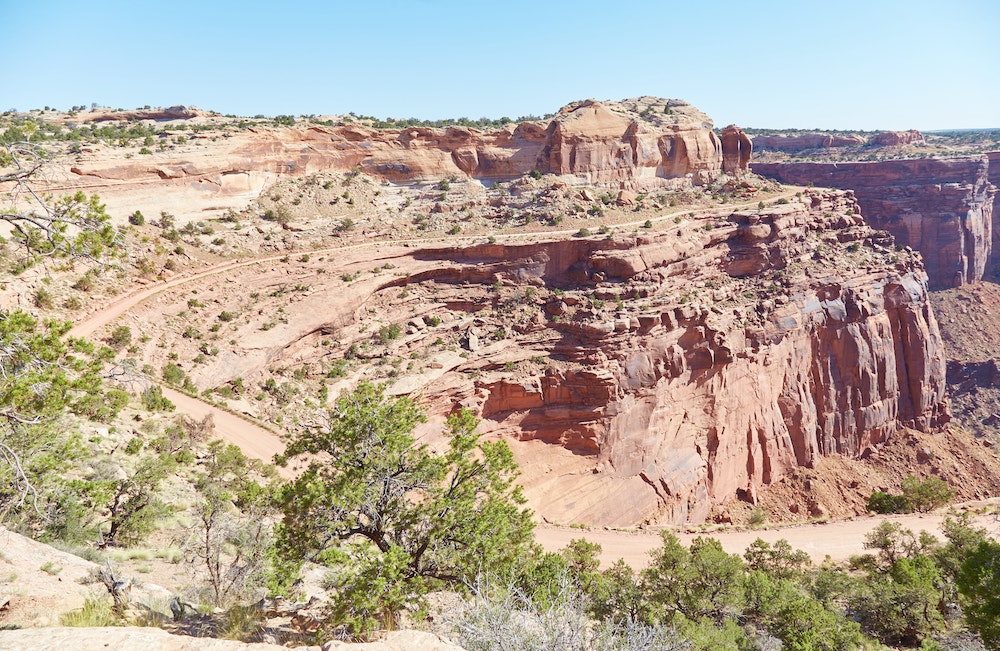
[(684, 402), (803, 141), (943, 208), (993, 174), (896, 138), (638, 377), (634, 144), (800, 142)]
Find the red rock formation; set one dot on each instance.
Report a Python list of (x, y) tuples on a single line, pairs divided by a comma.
[(644, 143), (896, 138), (993, 174), (943, 208), (170, 113), (804, 141), (736, 150), (809, 336)]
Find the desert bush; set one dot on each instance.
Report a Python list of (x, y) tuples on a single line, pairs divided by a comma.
[(42, 298), (173, 374), (928, 494), (84, 283), (882, 502), (154, 400), (505, 618), (389, 333), (120, 337), (95, 612), (405, 521)]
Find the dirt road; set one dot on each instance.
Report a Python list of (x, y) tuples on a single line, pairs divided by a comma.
[(255, 441), (838, 540)]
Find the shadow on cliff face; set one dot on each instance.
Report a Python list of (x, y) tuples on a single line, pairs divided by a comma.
[(709, 360)]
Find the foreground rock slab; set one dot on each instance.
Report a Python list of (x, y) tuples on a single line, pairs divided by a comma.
[(121, 639)]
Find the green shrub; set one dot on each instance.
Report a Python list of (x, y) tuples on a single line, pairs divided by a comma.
[(134, 445), (84, 283), (120, 337), (882, 502), (388, 333), (136, 219), (928, 494), (42, 298), (154, 400), (173, 374)]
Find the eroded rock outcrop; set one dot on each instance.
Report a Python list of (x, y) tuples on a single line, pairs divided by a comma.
[(993, 174), (896, 138), (736, 150), (669, 372), (803, 141), (943, 208), (158, 114), (639, 143), (793, 143)]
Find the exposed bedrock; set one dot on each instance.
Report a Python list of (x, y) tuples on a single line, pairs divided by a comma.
[(943, 208), (993, 174), (638, 143), (694, 365), (792, 143), (800, 142)]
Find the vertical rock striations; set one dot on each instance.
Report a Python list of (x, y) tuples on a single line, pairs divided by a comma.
[(735, 351), (736, 150), (993, 174), (943, 208)]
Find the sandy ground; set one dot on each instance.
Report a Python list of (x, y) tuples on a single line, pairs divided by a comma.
[(839, 540)]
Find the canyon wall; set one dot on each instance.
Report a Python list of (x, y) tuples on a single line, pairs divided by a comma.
[(941, 207), (993, 174), (803, 141), (679, 369), (634, 144)]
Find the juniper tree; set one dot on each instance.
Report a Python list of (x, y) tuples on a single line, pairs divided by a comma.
[(394, 519)]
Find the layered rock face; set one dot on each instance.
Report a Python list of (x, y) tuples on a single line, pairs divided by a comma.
[(801, 142), (993, 174), (943, 208), (896, 138), (635, 144), (158, 114), (648, 378), (736, 150), (732, 356)]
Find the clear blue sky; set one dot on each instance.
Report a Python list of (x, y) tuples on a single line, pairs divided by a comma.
[(842, 64)]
